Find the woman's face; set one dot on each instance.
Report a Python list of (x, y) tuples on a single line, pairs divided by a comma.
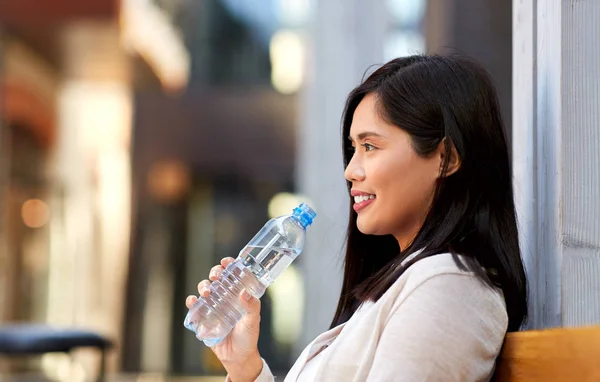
[(392, 186)]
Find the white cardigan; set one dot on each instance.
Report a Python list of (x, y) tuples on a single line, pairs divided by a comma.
[(435, 323)]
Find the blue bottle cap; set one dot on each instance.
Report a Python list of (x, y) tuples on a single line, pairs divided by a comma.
[(304, 214)]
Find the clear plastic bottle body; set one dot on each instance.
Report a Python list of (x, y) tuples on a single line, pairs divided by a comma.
[(274, 248), (214, 316), (257, 266)]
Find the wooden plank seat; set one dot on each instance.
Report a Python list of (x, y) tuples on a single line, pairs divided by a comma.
[(562, 354)]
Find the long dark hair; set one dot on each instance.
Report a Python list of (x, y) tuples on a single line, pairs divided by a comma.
[(436, 99)]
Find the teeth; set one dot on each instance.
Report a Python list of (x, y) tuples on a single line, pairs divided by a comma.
[(362, 198)]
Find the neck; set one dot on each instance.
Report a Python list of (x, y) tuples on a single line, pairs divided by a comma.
[(406, 237)]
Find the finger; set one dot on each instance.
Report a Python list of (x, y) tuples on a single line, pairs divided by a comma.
[(215, 272), (190, 301), (226, 261), (252, 306), (202, 287)]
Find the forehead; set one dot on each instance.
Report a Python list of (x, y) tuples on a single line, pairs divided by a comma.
[(367, 118)]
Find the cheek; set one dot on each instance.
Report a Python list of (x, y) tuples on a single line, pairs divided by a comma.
[(406, 189)]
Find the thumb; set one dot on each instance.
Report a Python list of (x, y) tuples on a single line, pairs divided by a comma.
[(252, 306)]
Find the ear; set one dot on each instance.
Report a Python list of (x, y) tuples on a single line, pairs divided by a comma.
[(447, 149)]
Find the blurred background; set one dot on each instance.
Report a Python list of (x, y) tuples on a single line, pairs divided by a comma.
[(143, 140)]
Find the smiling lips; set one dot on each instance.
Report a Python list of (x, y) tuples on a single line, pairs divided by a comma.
[(361, 200)]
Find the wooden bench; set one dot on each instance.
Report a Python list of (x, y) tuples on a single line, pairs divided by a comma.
[(565, 354)]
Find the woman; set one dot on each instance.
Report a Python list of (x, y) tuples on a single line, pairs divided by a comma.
[(433, 276)]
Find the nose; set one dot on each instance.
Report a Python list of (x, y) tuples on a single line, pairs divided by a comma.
[(354, 171)]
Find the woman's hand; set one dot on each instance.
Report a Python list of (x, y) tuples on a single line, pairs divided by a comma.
[(238, 352)]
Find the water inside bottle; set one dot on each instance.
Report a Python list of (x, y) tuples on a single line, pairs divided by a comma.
[(212, 317), (206, 317), (272, 261)]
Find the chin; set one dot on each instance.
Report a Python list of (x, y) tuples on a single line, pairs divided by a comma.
[(365, 227)]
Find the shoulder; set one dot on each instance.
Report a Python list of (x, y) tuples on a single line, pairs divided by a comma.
[(442, 266), (439, 281), (436, 264), (450, 322)]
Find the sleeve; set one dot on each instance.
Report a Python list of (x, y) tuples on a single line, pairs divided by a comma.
[(264, 376), (450, 327)]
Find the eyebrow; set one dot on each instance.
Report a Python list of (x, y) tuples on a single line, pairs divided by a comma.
[(366, 134)]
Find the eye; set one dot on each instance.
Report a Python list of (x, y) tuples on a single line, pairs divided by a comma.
[(368, 147)]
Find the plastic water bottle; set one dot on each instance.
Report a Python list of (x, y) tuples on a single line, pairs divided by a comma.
[(257, 266)]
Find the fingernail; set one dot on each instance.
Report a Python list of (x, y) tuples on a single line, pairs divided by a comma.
[(211, 274), (204, 290), (246, 295)]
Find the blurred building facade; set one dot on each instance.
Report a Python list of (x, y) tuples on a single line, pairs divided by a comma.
[(206, 165), (69, 71), (482, 30)]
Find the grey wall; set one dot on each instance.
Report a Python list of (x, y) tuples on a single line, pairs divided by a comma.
[(556, 81), (580, 152)]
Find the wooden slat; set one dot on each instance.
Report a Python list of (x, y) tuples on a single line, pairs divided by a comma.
[(571, 354)]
